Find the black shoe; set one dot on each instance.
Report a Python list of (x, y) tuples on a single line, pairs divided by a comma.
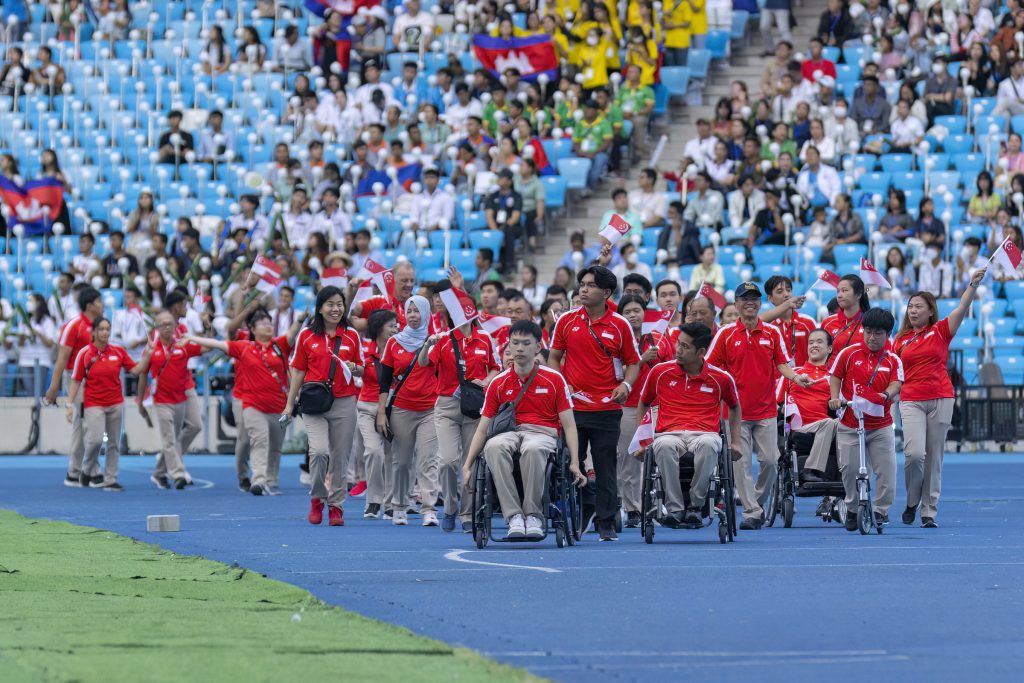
[(371, 511), (812, 475), (909, 515), (113, 487), (589, 513), (388, 514), (180, 484), (692, 518), (256, 490), (851, 521), (928, 523), (161, 482), (84, 480), (823, 507), (72, 482), (751, 524), (632, 520), (881, 518), (96, 480), (672, 520), (606, 532), (244, 484)]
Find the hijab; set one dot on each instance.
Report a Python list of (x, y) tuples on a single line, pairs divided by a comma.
[(410, 338)]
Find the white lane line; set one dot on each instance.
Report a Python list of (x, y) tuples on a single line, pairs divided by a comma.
[(689, 653), (457, 556), (725, 663)]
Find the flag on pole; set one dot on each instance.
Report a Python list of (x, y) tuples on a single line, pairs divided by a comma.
[(656, 321), (364, 292), (826, 280), (644, 435), (616, 229), (334, 277), (531, 55), (269, 274), (793, 411), (1008, 255), (199, 301), (866, 406), (376, 273), (491, 324), (870, 275), (460, 306), (707, 291)]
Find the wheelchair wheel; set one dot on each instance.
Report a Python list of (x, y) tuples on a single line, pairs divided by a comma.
[(618, 521), (728, 492), (723, 533), (864, 521), (559, 537), (771, 509), (649, 533), (787, 512), (481, 506)]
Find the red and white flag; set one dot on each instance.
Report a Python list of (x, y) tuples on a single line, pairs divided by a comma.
[(491, 324), (268, 272), (644, 435), (378, 274), (867, 406), (707, 291), (656, 321), (199, 301), (334, 277), (1008, 256), (826, 280), (870, 275), (616, 229), (793, 411), (460, 306), (364, 292)]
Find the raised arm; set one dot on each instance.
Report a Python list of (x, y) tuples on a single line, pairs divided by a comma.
[(960, 312), (207, 343)]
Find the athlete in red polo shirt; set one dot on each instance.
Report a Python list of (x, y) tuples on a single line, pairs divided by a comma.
[(668, 295), (845, 325), (76, 335), (405, 282), (544, 405), (701, 309), (690, 394), (595, 350), (754, 354), (872, 374), (794, 326)]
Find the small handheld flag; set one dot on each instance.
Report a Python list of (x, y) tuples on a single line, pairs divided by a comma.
[(870, 275), (616, 229)]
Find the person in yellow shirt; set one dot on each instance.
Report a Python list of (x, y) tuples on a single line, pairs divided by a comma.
[(642, 52), (698, 23), (554, 29), (677, 20), (612, 31), (591, 60)]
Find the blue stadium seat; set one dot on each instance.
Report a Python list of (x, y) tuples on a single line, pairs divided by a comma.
[(698, 62), (969, 165), (951, 179), (717, 43), (489, 239), (769, 254), (954, 124), (958, 144), (896, 163), (675, 79), (574, 170), (465, 261), (875, 181), (650, 237), (554, 191), (909, 180), (850, 253), (738, 29)]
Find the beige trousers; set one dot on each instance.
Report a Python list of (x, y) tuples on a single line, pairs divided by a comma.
[(330, 440), (376, 454), (630, 469), (241, 440), (415, 443), (880, 459), (454, 433), (77, 453), (265, 438), (170, 417), (824, 433), (925, 425), (762, 434), (534, 445), (705, 447), (96, 423)]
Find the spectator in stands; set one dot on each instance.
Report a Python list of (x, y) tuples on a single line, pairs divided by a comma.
[(630, 264), (290, 53), (331, 222), (777, 12), (296, 221), (816, 65), (48, 77), (217, 52), (701, 148), (646, 201), (116, 275), (85, 263), (871, 110), (721, 168), (485, 271), (13, 73), (251, 52), (708, 270), (927, 228), (934, 274), (1014, 158), (49, 167), (774, 70), (818, 231), (434, 207), (899, 273), (968, 261), (818, 183), (503, 211), (840, 127), (940, 90), (895, 224), (705, 208), (458, 112), (826, 146), (157, 289), (412, 26), (636, 101), (768, 226), (215, 143), (530, 187), (986, 201), (591, 139), (249, 218), (744, 203), (906, 131), (873, 9), (846, 227)]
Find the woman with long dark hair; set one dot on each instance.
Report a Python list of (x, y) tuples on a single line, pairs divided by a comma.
[(380, 327), (37, 342), (927, 395), (327, 352), (844, 325)]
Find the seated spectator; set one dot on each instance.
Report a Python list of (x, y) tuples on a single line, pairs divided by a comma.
[(846, 227), (826, 146), (895, 224), (621, 208), (927, 228), (251, 52), (708, 270), (705, 208), (175, 142), (646, 201), (986, 202), (721, 168), (768, 227), (49, 76), (934, 274), (906, 132), (630, 264), (870, 109), (217, 52), (899, 273), (215, 143), (744, 203), (680, 238), (940, 90), (818, 183), (816, 65)]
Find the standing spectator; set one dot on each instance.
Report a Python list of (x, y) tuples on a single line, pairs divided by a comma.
[(531, 189), (777, 12), (591, 138), (646, 201), (503, 210), (835, 26)]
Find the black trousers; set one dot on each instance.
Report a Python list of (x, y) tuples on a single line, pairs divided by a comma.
[(600, 431)]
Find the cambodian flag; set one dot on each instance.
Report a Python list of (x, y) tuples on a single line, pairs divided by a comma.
[(531, 55), (36, 204), (540, 157), (407, 175), (342, 46)]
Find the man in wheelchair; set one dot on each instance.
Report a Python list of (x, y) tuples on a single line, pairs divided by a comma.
[(689, 394), (540, 400)]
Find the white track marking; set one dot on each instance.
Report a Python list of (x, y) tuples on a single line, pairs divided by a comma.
[(457, 556)]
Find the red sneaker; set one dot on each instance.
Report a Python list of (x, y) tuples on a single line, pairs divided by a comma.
[(335, 516), (316, 511), (358, 490)]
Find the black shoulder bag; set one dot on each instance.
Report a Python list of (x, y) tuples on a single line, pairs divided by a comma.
[(316, 398), (393, 394), (471, 396), (505, 419)]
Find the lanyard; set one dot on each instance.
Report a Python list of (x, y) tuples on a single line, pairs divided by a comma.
[(852, 323)]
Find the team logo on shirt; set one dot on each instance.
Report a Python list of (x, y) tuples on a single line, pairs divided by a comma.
[(575, 329), (314, 346), (673, 383)]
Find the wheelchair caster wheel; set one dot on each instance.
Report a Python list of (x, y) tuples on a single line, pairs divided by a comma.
[(649, 533), (723, 534), (559, 537), (787, 512)]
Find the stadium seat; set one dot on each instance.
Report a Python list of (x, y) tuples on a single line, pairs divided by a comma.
[(717, 43), (675, 79), (574, 170), (698, 61)]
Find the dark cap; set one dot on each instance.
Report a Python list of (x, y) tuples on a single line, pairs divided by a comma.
[(748, 289), (506, 173), (591, 103)]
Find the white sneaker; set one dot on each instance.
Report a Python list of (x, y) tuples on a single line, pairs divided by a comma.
[(534, 527), (429, 519), (399, 518), (304, 478), (516, 527)]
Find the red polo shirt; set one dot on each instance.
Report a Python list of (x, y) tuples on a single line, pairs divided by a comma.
[(845, 331), (418, 393), (665, 352), (76, 334), (313, 356), (812, 402), (181, 331), (586, 366), (264, 372), (685, 403), (794, 334), (855, 366), (752, 358), (925, 355), (103, 383), (547, 396), (826, 67), (168, 368), (382, 303), (477, 352), (370, 390)]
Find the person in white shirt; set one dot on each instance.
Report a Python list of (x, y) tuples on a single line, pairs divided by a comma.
[(412, 26), (63, 303), (85, 263), (372, 82), (433, 207), (255, 224), (984, 22), (840, 128), (291, 53), (296, 220), (335, 116), (456, 113), (935, 275), (284, 314), (36, 346), (721, 168), (704, 210), (331, 221), (744, 203), (701, 148), (818, 183), (646, 201), (128, 328), (906, 131), (1010, 94), (785, 101), (826, 146), (630, 264), (215, 143)]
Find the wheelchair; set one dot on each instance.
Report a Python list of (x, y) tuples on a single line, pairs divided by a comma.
[(789, 486), (561, 500), (718, 505)]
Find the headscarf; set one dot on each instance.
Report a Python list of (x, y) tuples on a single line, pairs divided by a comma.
[(410, 338)]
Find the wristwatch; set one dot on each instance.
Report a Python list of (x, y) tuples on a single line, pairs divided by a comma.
[(629, 387)]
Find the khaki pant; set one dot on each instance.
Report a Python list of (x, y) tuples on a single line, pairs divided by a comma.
[(170, 417), (880, 459), (454, 433), (415, 443), (357, 462), (330, 440), (764, 435), (376, 454), (705, 447), (241, 440), (77, 453), (186, 432), (925, 425), (641, 152), (265, 437), (96, 423), (533, 444), (824, 433), (630, 469)]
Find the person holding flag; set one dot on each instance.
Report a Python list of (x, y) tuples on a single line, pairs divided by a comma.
[(395, 284), (806, 408), (794, 326), (845, 325), (655, 348), (867, 377), (927, 396), (464, 362), (689, 393), (326, 347)]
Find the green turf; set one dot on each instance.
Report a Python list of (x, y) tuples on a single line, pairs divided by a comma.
[(81, 604)]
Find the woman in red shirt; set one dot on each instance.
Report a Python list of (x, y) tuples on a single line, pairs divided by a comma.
[(380, 327), (98, 366), (926, 400), (261, 366), (809, 406), (327, 342), (844, 325), (409, 390), (654, 348), (455, 430)]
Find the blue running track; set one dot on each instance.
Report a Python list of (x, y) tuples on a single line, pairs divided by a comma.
[(809, 603)]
